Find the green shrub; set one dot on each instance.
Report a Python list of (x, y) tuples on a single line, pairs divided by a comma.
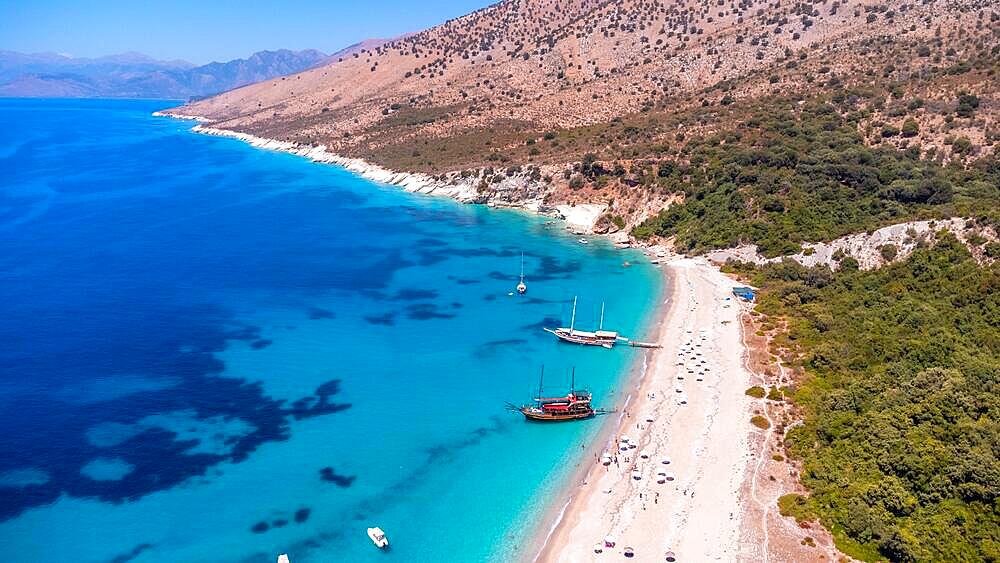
[(756, 392), (901, 401), (760, 422)]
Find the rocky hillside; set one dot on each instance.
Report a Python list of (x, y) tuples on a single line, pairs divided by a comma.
[(599, 102), (133, 75), (543, 64)]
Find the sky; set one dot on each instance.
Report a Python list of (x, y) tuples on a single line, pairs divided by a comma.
[(202, 31)]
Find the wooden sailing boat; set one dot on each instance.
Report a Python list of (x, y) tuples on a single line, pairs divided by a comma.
[(600, 337), (575, 405), (521, 287)]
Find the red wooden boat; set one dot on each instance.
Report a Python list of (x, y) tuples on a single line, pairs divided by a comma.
[(574, 405)]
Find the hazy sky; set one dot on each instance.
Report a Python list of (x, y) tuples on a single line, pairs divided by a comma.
[(201, 31)]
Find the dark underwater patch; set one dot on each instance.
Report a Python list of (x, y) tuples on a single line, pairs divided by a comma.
[(428, 241), (52, 435), (491, 348), (426, 312), (131, 554), (438, 453), (261, 344), (317, 313), (388, 319), (540, 301), (464, 281), (550, 322), (260, 527), (279, 523), (302, 514), (414, 294), (329, 475)]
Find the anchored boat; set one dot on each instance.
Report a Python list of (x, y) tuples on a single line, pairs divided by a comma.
[(378, 537), (521, 288), (574, 405), (599, 337)]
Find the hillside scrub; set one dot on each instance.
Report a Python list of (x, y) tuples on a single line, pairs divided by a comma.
[(900, 445), (787, 176)]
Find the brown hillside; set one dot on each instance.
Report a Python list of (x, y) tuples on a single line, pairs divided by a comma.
[(536, 64)]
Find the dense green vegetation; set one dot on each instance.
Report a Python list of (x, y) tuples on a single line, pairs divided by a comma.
[(901, 439), (794, 175)]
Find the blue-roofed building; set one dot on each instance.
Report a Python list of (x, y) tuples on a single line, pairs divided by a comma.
[(744, 293)]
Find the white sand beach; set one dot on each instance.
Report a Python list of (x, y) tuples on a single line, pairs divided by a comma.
[(689, 407)]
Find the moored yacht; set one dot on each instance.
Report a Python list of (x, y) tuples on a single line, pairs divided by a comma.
[(599, 337)]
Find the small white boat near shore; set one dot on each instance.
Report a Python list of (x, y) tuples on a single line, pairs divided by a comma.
[(378, 537)]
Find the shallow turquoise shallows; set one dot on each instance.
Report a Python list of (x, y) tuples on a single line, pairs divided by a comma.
[(215, 353)]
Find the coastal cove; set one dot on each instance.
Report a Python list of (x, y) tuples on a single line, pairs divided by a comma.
[(239, 353)]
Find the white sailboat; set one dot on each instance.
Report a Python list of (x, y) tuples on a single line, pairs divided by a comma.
[(600, 337), (521, 287)]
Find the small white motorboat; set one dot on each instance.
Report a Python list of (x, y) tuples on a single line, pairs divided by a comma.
[(583, 241), (378, 537), (283, 558)]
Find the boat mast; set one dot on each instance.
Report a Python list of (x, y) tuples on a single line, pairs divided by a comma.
[(601, 327), (522, 267), (541, 377), (572, 381), (572, 321)]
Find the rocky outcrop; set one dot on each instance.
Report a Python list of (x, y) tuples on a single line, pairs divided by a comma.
[(516, 190), (866, 248)]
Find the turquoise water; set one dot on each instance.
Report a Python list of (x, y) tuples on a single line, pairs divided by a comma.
[(215, 353)]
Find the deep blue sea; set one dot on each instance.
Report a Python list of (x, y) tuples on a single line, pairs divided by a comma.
[(216, 353)]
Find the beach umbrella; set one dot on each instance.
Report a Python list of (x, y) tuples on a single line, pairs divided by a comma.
[(665, 460), (629, 552), (644, 454), (636, 475), (671, 556), (609, 541), (670, 476), (598, 548)]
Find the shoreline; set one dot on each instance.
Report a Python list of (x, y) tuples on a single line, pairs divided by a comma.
[(580, 219), (569, 492), (570, 509), (708, 441)]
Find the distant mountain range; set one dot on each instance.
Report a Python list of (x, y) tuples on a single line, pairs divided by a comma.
[(134, 75)]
